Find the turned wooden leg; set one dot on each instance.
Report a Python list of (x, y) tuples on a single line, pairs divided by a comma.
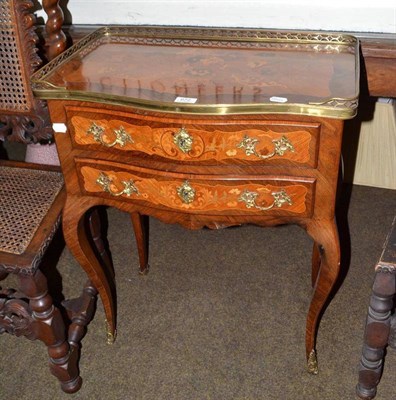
[(315, 264), (392, 333), (376, 333), (325, 234), (80, 312), (141, 227), (77, 241), (95, 225), (47, 325)]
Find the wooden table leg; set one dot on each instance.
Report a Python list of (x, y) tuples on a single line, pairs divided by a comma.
[(95, 219), (76, 238), (325, 234), (316, 259), (377, 332), (141, 227)]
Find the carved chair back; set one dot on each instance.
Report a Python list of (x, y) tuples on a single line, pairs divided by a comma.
[(22, 117)]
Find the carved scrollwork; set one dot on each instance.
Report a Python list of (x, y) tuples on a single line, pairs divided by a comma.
[(29, 37), (26, 128), (15, 315)]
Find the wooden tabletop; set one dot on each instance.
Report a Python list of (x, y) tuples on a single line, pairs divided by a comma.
[(209, 70)]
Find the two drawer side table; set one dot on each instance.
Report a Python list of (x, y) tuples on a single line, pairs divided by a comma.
[(204, 127)]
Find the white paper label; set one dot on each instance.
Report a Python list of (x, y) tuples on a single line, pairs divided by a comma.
[(59, 127), (277, 99), (189, 100)]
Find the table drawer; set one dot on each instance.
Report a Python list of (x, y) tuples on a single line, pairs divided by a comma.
[(198, 194), (196, 142)]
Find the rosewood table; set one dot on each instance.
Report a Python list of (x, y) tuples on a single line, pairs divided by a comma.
[(204, 128)]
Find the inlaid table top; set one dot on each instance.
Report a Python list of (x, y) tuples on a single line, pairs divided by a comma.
[(209, 71)]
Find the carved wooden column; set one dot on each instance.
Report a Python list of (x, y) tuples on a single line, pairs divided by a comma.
[(56, 39), (380, 325), (376, 333), (80, 312)]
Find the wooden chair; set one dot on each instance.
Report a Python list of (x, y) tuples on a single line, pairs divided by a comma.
[(31, 201), (381, 324), (22, 117)]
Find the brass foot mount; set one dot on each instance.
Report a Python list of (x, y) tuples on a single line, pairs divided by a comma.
[(111, 336), (312, 363)]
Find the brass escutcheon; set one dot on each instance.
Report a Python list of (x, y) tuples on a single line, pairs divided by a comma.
[(186, 192), (105, 182), (280, 147), (249, 198), (122, 136), (183, 140)]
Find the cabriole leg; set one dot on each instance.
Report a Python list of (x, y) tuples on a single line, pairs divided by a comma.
[(325, 236), (79, 245), (141, 228)]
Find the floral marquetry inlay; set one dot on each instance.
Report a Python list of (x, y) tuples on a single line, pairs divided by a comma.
[(199, 144), (198, 196)]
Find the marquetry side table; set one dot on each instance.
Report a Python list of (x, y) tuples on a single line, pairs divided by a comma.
[(204, 128)]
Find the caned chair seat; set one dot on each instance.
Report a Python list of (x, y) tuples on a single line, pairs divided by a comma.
[(31, 201)]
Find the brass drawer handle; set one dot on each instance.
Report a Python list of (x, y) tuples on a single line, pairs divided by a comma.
[(122, 136), (186, 192), (280, 198), (105, 182), (280, 147), (183, 140)]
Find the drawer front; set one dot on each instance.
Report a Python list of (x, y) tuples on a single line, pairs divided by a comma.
[(198, 194), (208, 143)]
